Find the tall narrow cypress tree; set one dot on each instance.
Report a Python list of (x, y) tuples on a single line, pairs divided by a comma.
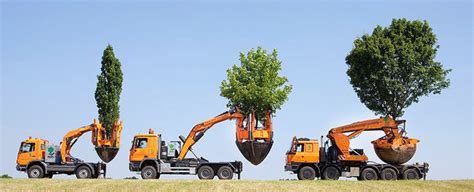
[(109, 87)]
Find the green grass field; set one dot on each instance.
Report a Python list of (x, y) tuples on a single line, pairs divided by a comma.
[(234, 185)]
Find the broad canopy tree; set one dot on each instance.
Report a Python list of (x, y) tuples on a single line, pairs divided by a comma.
[(109, 87), (394, 66), (255, 85)]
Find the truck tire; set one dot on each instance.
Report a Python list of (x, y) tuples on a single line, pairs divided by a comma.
[(35, 172), (149, 172), (225, 173), (369, 173), (388, 174), (330, 173), (205, 172), (83, 172), (411, 174), (306, 173)]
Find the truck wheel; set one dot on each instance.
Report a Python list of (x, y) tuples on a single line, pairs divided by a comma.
[(35, 172), (330, 173), (369, 174), (205, 172), (149, 172), (225, 173), (388, 174), (306, 173), (411, 174), (83, 172)]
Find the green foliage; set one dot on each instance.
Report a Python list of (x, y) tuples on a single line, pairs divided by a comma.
[(255, 84), (109, 87), (394, 66), (5, 176)]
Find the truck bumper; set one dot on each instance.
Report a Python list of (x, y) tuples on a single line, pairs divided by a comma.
[(20, 168), (134, 166), (291, 167)]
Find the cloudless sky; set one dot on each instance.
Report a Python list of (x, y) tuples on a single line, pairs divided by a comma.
[(174, 56)]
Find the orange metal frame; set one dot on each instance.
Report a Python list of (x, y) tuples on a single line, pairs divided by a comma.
[(243, 133), (388, 125)]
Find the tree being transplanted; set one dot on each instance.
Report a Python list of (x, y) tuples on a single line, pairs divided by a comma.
[(255, 84), (109, 87), (394, 66)]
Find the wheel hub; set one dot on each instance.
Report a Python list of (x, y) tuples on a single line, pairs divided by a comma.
[(206, 173), (35, 173), (370, 176), (148, 173), (83, 173), (225, 173)]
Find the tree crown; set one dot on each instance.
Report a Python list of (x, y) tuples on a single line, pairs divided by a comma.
[(109, 87), (255, 85), (394, 66)]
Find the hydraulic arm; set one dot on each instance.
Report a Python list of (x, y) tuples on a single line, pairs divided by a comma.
[(198, 130), (106, 147), (392, 148), (253, 142)]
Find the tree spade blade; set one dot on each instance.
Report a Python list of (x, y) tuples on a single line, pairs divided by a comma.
[(107, 154), (391, 155), (254, 152)]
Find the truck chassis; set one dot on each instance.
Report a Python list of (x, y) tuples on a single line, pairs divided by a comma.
[(152, 168), (362, 171), (82, 170)]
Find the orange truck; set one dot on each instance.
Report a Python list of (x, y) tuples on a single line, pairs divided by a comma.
[(41, 159), (309, 160), (152, 156)]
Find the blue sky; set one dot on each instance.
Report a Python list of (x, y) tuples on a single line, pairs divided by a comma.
[(174, 56)]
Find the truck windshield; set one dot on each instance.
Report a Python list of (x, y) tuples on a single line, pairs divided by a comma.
[(141, 143), (27, 147), (299, 147)]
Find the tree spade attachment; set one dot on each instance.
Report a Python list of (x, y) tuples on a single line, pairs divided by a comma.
[(107, 147), (252, 141), (395, 151)]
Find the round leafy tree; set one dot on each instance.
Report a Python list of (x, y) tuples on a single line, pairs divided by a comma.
[(255, 85), (394, 66), (109, 87)]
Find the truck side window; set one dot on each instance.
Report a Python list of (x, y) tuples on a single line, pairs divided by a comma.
[(299, 147), (309, 148), (28, 147), (141, 143)]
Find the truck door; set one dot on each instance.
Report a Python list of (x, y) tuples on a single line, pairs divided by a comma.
[(27, 153), (311, 151), (140, 149), (299, 153), (306, 152)]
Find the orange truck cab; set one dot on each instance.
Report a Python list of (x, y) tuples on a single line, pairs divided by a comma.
[(41, 159), (152, 156), (30, 150), (308, 160)]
